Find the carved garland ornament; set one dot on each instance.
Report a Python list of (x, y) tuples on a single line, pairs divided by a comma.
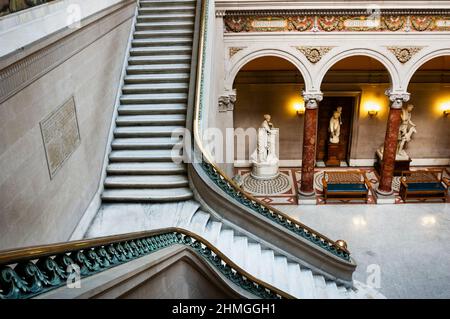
[(404, 54), (233, 50), (314, 54)]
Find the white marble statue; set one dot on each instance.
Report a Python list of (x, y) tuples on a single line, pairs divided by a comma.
[(335, 126), (407, 129), (264, 159), (405, 132)]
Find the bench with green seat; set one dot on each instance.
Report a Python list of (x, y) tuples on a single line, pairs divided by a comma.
[(423, 185), (345, 185)]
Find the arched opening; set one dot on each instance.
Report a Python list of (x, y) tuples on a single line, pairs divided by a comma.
[(269, 85), (357, 84), (430, 94)]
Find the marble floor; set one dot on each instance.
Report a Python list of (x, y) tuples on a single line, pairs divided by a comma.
[(409, 244)]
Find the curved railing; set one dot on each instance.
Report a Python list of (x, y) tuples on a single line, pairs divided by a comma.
[(337, 248), (19, 5), (28, 272)]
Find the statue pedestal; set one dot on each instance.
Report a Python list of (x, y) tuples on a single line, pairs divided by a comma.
[(265, 170), (401, 164), (334, 154)]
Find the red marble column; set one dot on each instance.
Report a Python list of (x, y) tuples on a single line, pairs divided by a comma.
[(309, 145), (390, 144)]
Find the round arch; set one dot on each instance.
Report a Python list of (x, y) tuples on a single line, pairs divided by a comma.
[(421, 61), (242, 60), (387, 63)]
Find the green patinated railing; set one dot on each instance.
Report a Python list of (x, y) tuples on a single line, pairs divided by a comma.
[(337, 248), (19, 5), (28, 272)]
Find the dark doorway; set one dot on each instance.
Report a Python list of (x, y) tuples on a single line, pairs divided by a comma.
[(326, 109)]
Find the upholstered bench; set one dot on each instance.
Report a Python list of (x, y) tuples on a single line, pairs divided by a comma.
[(345, 185), (423, 185)]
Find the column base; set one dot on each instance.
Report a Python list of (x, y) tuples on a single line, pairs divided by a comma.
[(383, 193), (385, 198), (307, 199)]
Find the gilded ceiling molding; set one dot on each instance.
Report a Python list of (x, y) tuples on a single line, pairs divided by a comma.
[(404, 54), (233, 50), (314, 54)]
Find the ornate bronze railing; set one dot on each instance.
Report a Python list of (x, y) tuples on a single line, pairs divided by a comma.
[(28, 272), (19, 5), (337, 248)]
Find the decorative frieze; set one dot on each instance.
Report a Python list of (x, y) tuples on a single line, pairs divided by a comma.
[(314, 54), (404, 54), (336, 23)]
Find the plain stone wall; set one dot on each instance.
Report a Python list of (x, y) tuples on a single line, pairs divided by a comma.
[(33, 208), (431, 142)]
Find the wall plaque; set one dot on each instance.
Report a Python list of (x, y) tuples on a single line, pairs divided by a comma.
[(61, 135)]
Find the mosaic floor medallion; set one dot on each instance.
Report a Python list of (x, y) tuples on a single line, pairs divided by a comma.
[(277, 185)]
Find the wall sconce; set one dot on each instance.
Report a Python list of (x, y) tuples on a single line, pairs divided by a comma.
[(299, 108), (446, 109), (373, 109)]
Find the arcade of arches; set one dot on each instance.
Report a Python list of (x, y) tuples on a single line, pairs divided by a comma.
[(369, 119)]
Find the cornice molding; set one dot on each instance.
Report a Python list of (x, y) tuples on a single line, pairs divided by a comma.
[(364, 12)]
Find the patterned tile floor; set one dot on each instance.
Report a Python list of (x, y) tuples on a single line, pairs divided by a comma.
[(279, 192)]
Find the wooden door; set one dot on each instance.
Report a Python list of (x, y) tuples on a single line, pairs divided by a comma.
[(326, 109)]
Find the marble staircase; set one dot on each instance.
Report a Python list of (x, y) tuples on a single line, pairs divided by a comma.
[(153, 105), (251, 255)]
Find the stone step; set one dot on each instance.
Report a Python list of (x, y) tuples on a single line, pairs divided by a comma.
[(183, 41), (159, 50), (159, 68), (173, 33), (307, 286), (174, 25), (212, 231), (157, 78), (155, 88), (166, 17), (143, 120), (150, 168), (159, 59), (147, 195), (158, 10), (146, 131), (146, 181), (145, 156), (153, 98), (198, 222), (320, 287), (165, 3), (135, 109), (145, 143)]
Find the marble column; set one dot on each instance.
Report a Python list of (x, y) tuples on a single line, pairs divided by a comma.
[(390, 142), (309, 143), (225, 108)]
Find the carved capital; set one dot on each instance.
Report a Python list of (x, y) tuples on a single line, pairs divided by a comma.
[(397, 99), (314, 54), (404, 54), (312, 99), (227, 101)]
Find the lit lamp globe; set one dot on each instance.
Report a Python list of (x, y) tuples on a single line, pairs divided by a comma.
[(299, 108)]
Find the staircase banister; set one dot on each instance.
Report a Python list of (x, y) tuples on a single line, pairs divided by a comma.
[(339, 245), (23, 256)]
